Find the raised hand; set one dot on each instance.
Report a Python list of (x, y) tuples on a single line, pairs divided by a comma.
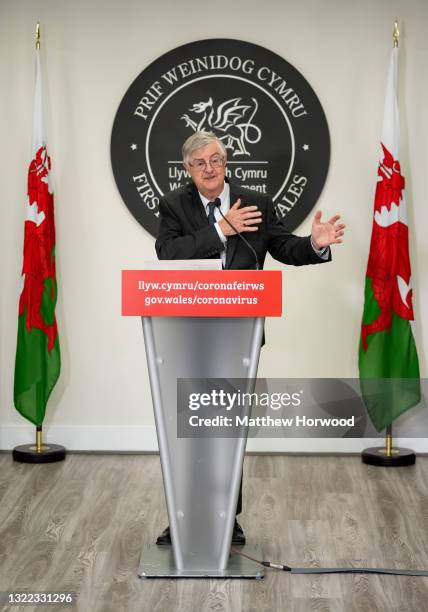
[(324, 234), (245, 219)]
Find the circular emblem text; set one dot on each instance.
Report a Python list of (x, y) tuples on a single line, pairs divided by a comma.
[(265, 112)]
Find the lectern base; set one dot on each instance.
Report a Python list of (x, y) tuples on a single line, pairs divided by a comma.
[(158, 562)]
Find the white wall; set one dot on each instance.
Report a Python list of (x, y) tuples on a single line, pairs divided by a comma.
[(92, 51)]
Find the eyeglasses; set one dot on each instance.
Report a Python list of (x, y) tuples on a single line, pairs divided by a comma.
[(215, 162)]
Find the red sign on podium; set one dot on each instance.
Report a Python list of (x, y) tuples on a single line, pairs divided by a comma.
[(207, 293)]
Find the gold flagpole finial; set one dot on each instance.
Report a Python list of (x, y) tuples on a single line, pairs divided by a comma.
[(38, 35), (396, 33)]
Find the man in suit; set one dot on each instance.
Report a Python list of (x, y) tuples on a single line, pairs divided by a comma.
[(192, 227)]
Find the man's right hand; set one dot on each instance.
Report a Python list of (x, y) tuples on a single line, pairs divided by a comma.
[(244, 219)]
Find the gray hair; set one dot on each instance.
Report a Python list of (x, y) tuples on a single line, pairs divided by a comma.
[(199, 140)]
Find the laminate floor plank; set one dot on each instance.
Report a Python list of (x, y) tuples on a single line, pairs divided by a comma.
[(80, 526)]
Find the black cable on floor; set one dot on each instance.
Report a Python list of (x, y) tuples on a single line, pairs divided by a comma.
[(333, 570)]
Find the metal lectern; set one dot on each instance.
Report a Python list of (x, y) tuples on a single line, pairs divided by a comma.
[(201, 475)]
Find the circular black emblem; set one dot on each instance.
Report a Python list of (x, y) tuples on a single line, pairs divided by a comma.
[(263, 109)]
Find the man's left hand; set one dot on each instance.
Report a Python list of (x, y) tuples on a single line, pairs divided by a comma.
[(325, 234)]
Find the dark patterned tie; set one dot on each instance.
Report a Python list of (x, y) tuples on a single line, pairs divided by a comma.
[(211, 216)]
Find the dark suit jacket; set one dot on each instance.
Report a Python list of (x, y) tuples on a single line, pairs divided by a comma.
[(186, 234)]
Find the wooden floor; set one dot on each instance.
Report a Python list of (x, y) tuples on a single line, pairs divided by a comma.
[(80, 525)]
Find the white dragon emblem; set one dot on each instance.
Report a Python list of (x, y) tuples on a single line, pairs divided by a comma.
[(228, 121)]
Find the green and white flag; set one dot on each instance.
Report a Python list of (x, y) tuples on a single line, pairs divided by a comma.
[(38, 360), (388, 360)]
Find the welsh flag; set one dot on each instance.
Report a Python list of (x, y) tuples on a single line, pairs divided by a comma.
[(388, 360), (38, 360)]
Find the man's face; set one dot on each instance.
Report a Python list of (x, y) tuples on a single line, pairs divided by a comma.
[(209, 180)]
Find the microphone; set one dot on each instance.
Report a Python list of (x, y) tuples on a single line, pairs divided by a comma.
[(217, 202)]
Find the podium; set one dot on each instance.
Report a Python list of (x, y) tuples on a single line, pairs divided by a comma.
[(197, 325)]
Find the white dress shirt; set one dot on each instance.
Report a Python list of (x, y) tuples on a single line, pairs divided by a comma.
[(225, 206)]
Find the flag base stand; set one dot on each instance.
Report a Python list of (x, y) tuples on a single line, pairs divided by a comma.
[(399, 457), (39, 452), (387, 456), (48, 453)]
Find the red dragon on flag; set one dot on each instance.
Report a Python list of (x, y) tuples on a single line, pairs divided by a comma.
[(38, 269), (389, 262)]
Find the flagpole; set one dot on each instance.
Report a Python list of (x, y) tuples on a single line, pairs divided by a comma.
[(39, 452), (388, 441), (39, 436), (388, 438), (37, 36), (396, 34), (39, 444), (388, 456)]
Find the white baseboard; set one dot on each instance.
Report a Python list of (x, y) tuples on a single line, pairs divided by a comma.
[(142, 438), (129, 438), (330, 445)]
